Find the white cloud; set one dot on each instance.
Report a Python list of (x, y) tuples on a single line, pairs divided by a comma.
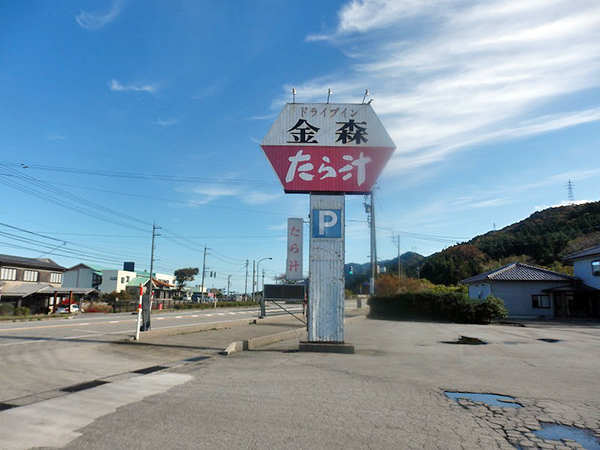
[(166, 123), (118, 87), (563, 203), (259, 198), (449, 74), (216, 191), (55, 137), (94, 22)]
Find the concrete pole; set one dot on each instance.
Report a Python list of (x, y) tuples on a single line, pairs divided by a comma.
[(203, 274), (253, 273), (246, 284)]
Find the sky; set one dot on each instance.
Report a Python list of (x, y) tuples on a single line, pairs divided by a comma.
[(119, 114)]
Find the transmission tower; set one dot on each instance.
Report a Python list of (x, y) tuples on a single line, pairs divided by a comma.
[(570, 187)]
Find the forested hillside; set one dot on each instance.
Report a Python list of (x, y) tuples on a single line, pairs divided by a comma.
[(542, 239)]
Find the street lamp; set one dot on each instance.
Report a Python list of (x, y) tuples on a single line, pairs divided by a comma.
[(263, 312)]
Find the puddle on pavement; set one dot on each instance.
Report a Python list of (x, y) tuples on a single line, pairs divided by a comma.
[(554, 432), (466, 340), (502, 401)]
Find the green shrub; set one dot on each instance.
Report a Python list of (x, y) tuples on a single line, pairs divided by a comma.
[(491, 308), (6, 309), (449, 306), (22, 311)]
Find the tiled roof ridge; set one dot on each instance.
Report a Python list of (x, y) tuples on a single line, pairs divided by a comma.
[(582, 252)]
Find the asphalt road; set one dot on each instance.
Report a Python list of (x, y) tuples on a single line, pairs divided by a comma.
[(389, 394), (41, 356), (14, 336)]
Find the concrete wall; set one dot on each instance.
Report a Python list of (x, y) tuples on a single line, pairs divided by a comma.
[(115, 280), (80, 278), (479, 291), (583, 270)]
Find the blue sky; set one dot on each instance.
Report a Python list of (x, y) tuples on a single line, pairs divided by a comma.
[(119, 113)]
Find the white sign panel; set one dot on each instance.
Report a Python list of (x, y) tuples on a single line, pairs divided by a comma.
[(293, 270)]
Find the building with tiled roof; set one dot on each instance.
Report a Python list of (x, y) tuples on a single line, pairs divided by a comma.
[(531, 291), (521, 272), (586, 264)]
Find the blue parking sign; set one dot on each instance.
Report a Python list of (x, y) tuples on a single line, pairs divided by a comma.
[(326, 223)]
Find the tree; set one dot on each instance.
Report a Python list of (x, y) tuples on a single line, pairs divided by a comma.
[(184, 275)]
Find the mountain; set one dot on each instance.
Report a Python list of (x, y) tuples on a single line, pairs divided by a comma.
[(357, 274), (543, 239)]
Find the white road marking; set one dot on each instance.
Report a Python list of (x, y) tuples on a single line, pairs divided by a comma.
[(50, 429)]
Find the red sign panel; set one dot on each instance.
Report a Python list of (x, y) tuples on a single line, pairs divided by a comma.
[(340, 148), (327, 169)]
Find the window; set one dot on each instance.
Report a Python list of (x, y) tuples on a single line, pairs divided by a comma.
[(596, 268), (8, 274), (56, 278), (30, 275), (540, 301), (122, 279)]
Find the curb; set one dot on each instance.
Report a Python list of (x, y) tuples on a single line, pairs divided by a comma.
[(185, 329), (257, 342)]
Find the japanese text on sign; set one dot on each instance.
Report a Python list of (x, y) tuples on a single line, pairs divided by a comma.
[(347, 167), (293, 269)]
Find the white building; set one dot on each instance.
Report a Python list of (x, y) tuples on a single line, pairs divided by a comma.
[(530, 291), (586, 265)]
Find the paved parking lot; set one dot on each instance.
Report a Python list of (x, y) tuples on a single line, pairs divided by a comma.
[(389, 394)]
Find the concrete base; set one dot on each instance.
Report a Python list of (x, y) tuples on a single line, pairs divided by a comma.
[(326, 347)]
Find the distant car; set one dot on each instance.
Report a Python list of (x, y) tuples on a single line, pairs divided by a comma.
[(196, 298), (64, 310)]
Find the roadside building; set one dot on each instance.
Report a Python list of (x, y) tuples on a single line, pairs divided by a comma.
[(533, 292), (35, 283), (523, 287), (83, 276)]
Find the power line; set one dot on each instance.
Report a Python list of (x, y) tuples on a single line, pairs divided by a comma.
[(139, 176)]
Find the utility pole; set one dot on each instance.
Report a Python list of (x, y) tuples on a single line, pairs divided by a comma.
[(147, 305), (399, 261), (228, 284), (253, 274), (373, 244), (203, 273), (263, 282), (246, 285)]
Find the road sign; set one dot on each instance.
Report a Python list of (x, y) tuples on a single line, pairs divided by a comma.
[(326, 223), (333, 147)]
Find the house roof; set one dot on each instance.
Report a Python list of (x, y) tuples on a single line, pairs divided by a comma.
[(520, 272), (144, 280), (95, 269), (27, 289), (571, 288), (585, 253), (37, 263)]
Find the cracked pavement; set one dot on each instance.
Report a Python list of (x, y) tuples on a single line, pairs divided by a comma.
[(389, 394)]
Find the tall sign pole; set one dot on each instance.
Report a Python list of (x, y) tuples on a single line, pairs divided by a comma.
[(327, 150)]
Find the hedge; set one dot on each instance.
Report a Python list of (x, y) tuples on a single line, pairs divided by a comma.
[(6, 309), (438, 306)]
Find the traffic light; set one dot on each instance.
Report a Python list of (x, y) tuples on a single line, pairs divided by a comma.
[(351, 270)]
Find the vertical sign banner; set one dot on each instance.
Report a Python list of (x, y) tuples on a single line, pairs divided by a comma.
[(293, 269)]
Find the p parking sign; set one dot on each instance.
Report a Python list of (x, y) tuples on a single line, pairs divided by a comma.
[(326, 223)]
